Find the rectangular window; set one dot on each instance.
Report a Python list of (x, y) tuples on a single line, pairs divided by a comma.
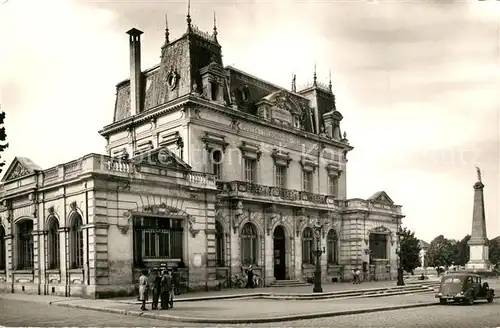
[(307, 180), (250, 170), (215, 90), (307, 252), (215, 161), (157, 239), (25, 244), (280, 176), (332, 185)]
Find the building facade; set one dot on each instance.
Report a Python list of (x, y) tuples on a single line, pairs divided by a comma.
[(206, 166)]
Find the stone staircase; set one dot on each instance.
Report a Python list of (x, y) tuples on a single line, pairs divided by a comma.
[(288, 283)]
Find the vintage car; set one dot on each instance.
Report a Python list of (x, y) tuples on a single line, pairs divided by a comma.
[(465, 288)]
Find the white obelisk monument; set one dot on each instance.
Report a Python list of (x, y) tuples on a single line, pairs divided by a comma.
[(478, 243)]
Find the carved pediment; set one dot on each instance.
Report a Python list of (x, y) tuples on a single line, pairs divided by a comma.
[(281, 158), (215, 69), (381, 197), (161, 157), (337, 116), (20, 167)]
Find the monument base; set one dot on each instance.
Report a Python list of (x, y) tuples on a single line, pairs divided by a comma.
[(479, 266)]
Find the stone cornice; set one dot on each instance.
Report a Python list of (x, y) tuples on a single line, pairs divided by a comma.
[(144, 116), (234, 114), (17, 193)]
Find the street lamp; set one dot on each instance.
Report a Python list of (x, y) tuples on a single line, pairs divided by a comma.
[(401, 281), (317, 273)]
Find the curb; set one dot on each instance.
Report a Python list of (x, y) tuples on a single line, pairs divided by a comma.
[(304, 316), (305, 296)]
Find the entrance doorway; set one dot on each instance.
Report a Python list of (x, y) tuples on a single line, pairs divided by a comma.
[(279, 253)]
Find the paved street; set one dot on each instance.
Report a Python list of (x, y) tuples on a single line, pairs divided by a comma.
[(15, 313), (480, 315), (18, 313)]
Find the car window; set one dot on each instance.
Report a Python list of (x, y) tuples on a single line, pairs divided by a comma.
[(452, 280)]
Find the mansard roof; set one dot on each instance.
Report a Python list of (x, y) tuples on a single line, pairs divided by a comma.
[(20, 166)]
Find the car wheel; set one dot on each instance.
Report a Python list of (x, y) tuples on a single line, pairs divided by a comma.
[(469, 300), (490, 299), (442, 301)]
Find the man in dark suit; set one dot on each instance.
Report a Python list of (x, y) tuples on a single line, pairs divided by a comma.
[(156, 289), (166, 289)]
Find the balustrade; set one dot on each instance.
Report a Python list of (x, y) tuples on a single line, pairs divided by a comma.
[(285, 194)]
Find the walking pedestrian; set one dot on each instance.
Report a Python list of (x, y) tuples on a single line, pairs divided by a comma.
[(166, 289), (143, 289), (250, 275), (156, 290), (358, 274), (176, 280)]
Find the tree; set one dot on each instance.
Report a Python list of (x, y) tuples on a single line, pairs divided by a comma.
[(3, 136), (441, 251), (461, 256), (409, 250), (494, 251)]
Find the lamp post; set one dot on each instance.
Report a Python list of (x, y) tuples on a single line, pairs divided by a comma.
[(401, 281), (317, 273)]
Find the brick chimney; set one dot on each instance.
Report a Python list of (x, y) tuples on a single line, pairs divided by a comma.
[(135, 71)]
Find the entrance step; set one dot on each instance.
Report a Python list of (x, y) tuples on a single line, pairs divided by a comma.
[(288, 283)]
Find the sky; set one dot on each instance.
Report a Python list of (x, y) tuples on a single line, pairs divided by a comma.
[(416, 81)]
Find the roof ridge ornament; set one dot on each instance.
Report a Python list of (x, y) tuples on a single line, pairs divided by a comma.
[(188, 19), (215, 29)]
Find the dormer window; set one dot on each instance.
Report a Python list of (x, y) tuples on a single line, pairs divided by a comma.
[(213, 79), (214, 88), (245, 94), (296, 122)]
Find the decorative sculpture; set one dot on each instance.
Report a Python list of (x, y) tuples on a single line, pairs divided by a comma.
[(478, 174)]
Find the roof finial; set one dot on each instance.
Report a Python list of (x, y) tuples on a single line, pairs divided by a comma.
[(189, 16), (315, 77), (294, 85), (167, 33), (330, 82), (215, 28)]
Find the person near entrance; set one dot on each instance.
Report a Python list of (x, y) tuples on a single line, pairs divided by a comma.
[(143, 289), (156, 290), (250, 275), (166, 289)]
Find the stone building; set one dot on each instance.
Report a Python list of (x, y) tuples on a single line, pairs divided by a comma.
[(206, 166)]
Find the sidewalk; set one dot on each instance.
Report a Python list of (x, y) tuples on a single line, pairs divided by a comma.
[(241, 310), (239, 292), (248, 310)]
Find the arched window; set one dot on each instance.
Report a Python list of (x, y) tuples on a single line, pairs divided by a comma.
[(332, 247), (25, 255), (378, 246), (248, 244), (76, 241), (52, 244), (307, 246), (219, 244), (3, 249)]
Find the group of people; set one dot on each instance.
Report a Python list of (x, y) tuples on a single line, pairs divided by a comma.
[(164, 286)]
